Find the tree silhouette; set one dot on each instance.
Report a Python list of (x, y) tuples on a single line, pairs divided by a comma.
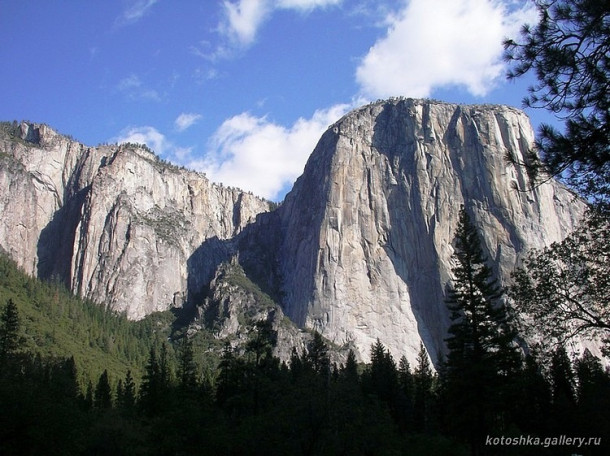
[(481, 356), (568, 52)]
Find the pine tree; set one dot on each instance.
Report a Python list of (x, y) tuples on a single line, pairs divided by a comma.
[(563, 381), (317, 355), (129, 392), (150, 391), (349, 372), (383, 376), (9, 330), (229, 378), (532, 399), (187, 369), (568, 53), (405, 376), (88, 398), (593, 396), (65, 379), (423, 381), (406, 392), (120, 393), (481, 354), (103, 392), (262, 341), (165, 370)]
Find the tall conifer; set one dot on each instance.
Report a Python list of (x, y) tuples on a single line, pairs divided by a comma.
[(481, 352)]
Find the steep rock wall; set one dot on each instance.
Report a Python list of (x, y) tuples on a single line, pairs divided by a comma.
[(113, 222), (368, 228)]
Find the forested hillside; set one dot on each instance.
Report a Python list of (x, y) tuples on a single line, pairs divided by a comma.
[(78, 379)]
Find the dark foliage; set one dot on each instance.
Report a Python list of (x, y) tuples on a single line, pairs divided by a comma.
[(568, 51), (482, 358), (251, 403), (565, 288)]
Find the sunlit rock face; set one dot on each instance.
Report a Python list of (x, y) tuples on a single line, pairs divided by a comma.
[(368, 229), (360, 249), (114, 223)]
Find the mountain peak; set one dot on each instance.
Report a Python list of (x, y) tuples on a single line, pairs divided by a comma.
[(369, 226), (360, 250)]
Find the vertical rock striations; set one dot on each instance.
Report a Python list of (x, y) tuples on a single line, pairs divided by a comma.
[(368, 228), (360, 249), (114, 223)]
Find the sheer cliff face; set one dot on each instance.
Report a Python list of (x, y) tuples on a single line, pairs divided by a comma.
[(368, 229), (113, 222), (361, 248)]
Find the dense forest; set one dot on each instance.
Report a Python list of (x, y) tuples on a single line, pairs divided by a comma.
[(76, 378)]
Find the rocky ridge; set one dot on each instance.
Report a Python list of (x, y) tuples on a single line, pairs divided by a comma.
[(360, 249), (114, 223), (368, 228)]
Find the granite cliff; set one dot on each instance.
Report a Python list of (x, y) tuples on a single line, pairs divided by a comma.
[(368, 228), (360, 249), (114, 223)]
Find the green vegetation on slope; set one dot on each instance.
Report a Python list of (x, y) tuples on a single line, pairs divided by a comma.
[(57, 324)]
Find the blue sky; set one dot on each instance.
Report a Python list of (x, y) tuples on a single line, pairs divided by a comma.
[(243, 89)]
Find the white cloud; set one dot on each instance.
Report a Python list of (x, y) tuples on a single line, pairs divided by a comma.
[(130, 82), (255, 154), (182, 154), (135, 12), (147, 135), (436, 43), (243, 18), (133, 88), (306, 5), (186, 120)]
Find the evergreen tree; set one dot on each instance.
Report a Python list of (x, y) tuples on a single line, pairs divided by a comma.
[(88, 398), (568, 52), (151, 389), (187, 369), (9, 330), (593, 397), (103, 392), (317, 357), (129, 393), (532, 399), (296, 364), (65, 379), (406, 393), (120, 393), (481, 356), (423, 381), (405, 376), (229, 377), (349, 372), (383, 376), (165, 370), (262, 341), (563, 383)]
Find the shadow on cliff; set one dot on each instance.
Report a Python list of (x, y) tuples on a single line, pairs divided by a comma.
[(55, 246), (410, 244), (255, 249)]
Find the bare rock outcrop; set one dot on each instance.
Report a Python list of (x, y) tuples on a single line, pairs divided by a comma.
[(368, 228), (115, 223), (360, 249)]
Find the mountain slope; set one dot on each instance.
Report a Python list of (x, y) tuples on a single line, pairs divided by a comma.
[(360, 249), (368, 228), (114, 223)]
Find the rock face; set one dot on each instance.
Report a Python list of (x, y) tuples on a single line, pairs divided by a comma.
[(360, 249), (368, 228), (113, 222)]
